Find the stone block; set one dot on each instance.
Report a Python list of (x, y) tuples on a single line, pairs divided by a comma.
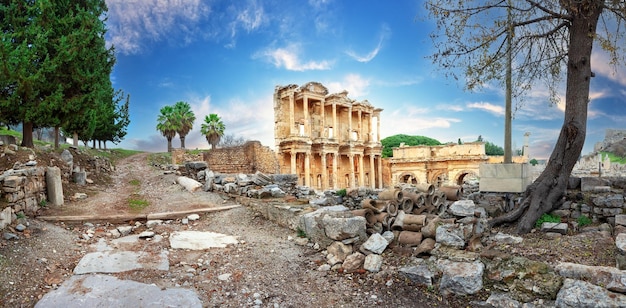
[(373, 263), (54, 186), (554, 227), (620, 220), (504, 177), (460, 278), (577, 293), (462, 208), (419, 274), (376, 243)]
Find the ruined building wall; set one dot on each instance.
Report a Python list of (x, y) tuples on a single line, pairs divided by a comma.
[(248, 158), (179, 156), (440, 165)]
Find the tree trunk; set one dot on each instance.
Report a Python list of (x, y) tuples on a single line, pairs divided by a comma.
[(27, 135), (169, 145), (56, 137), (93, 144), (182, 142), (546, 193), (75, 139)]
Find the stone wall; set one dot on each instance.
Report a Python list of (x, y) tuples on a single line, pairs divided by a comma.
[(248, 158), (180, 156), (21, 190)]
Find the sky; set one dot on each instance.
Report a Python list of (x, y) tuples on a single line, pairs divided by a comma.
[(227, 57)]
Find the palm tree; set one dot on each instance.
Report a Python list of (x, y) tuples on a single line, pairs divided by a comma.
[(184, 118), (213, 129), (167, 125)]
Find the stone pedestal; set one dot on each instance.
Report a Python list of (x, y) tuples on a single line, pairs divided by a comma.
[(54, 186), (513, 178)]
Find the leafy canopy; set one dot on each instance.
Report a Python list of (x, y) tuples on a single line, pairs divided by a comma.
[(394, 141)]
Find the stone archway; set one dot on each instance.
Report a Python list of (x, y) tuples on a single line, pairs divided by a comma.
[(462, 175), (438, 178), (408, 177)]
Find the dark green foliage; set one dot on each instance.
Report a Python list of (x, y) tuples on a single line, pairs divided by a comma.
[(583, 221), (394, 141), (54, 64), (547, 218), (533, 162), (213, 129), (492, 149)]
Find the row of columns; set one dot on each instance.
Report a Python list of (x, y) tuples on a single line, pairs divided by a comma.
[(375, 176), (307, 126)]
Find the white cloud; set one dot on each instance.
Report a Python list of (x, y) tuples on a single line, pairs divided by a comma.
[(385, 32), (489, 107), (446, 107), (356, 86), (133, 23), (600, 64), (289, 58)]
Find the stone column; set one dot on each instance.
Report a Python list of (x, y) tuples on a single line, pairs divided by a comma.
[(307, 128), (54, 186), (292, 116), (372, 172), (335, 128), (379, 174), (361, 172), (352, 180), (307, 169), (324, 171), (350, 123), (335, 171), (323, 126), (378, 129), (360, 137), (293, 162)]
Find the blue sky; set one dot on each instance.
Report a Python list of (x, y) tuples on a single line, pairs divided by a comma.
[(226, 57)]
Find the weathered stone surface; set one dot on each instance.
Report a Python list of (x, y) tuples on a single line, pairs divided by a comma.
[(577, 293), (5, 217), (341, 228), (502, 300), (109, 291), (507, 238), (554, 227), (198, 240), (373, 263), (620, 220), (462, 208), (313, 226), (609, 277), (121, 261), (376, 243), (590, 183), (420, 274), (450, 235), (525, 279), (124, 230), (54, 186), (460, 278), (339, 250), (353, 262)]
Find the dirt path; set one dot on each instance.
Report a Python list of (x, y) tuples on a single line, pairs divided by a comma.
[(136, 187), (267, 268)]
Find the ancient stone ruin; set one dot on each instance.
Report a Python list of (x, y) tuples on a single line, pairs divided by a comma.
[(327, 140)]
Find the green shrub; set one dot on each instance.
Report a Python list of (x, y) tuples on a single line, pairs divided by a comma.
[(341, 192), (547, 218), (583, 220), (301, 232)]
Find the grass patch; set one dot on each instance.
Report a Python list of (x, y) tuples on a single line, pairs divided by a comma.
[(134, 182), (614, 158), (137, 204), (547, 218), (160, 158), (583, 220)]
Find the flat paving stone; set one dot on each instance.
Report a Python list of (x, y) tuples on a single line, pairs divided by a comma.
[(97, 290), (199, 240), (120, 261)]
